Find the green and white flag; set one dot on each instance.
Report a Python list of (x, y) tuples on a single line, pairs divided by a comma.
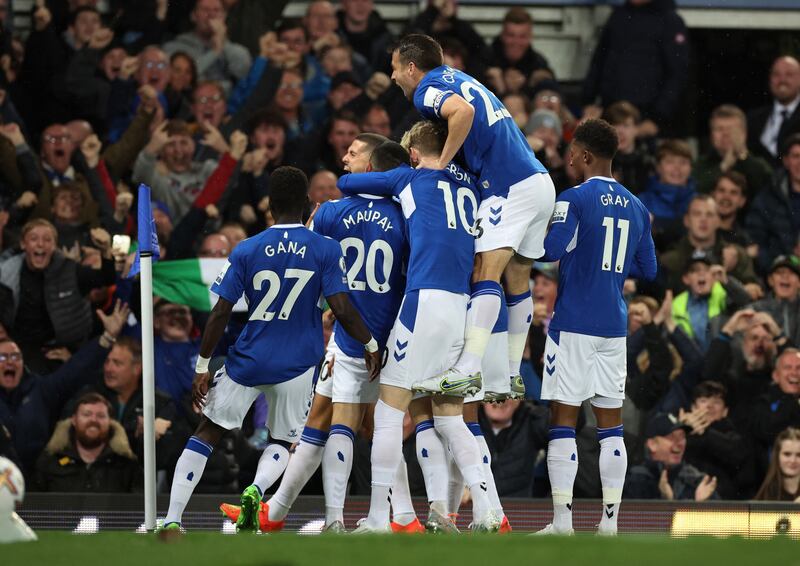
[(187, 282)]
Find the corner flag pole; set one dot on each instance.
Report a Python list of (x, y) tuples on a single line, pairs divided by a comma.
[(146, 244)]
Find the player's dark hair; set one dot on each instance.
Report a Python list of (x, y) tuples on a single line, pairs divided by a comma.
[(598, 137), (288, 191), (388, 155), (422, 50), (709, 389), (371, 140)]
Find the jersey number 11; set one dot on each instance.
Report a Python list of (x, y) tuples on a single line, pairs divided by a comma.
[(623, 226)]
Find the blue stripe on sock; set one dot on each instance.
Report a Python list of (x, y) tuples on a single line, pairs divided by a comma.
[(475, 429), (424, 425), (502, 317), (197, 445), (343, 430), (476, 294), (557, 432), (603, 433), (517, 299), (486, 287), (314, 436)]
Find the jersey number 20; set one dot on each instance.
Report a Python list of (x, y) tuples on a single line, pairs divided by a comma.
[(624, 227), (261, 312), (372, 255)]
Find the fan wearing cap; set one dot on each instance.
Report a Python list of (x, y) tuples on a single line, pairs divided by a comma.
[(710, 294), (664, 474), (783, 304)]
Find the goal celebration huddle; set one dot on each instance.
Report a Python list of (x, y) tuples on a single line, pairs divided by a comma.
[(425, 264)]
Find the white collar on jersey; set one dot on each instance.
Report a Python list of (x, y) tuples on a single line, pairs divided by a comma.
[(371, 197), (287, 226), (609, 179)]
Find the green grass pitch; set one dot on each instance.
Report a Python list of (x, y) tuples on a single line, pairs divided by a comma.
[(199, 548)]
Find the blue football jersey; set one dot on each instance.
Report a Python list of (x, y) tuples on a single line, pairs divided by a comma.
[(440, 208), (601, 234), (284, 273), (371, 231), (495, 149)]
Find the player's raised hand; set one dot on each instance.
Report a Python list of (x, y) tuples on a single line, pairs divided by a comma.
[(199, 391), (374, 361)]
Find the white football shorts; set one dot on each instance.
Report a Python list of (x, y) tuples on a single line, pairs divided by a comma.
[(227, 403), (350, 380), (518, 221), (427, 336), (579, 367)]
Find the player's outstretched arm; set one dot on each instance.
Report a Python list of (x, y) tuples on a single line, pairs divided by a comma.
[(352, 322), (459, 114), (215, 327), (373, 183)]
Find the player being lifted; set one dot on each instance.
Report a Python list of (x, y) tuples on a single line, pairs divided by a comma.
[(439, 206), (517, 197), (371, 231), (284, 273), (600, 233)]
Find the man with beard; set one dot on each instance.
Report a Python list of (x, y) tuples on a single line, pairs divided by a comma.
[(88, 453), (28, 400)]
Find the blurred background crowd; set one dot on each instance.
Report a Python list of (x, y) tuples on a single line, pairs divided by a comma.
[(202, 99)]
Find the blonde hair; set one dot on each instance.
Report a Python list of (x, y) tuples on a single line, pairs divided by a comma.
[(425, 136)]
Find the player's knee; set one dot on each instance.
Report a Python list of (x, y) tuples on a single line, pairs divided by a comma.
[(607, 411), (209, 432), (321, 412), (489, 265)]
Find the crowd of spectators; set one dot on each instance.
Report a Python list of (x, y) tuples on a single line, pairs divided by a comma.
[(187, 98)]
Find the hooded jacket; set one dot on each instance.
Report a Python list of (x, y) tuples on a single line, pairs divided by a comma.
[(60, 468)]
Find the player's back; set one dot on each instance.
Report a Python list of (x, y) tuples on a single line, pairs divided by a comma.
[(613, 226), (283, 272), (495, 149), (371, 232), (440, 209)]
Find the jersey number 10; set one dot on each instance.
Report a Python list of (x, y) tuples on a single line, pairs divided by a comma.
[(623, 226), (463, 194)]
